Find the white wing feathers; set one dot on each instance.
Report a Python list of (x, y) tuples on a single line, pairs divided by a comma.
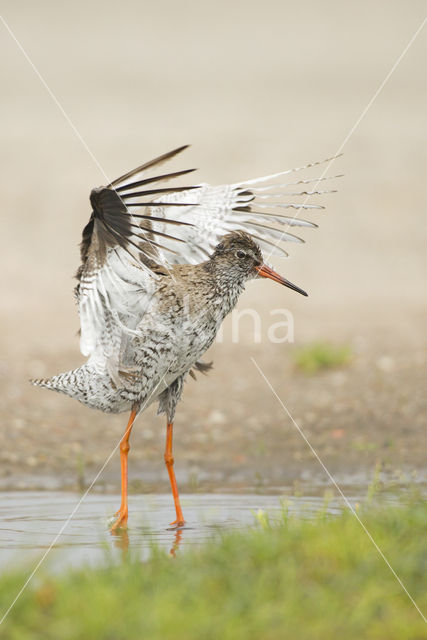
[(251, 206), (134, 229), (110, 307)]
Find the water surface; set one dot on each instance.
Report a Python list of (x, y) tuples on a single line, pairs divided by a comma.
[(31, 522)]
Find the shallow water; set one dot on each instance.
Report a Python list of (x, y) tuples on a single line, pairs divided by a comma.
[(78, 534)]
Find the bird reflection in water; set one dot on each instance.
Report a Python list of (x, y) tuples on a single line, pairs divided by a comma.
[(177, 541), (121, 541)]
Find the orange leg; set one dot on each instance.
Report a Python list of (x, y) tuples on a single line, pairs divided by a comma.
[(122, 513), (179, 522)]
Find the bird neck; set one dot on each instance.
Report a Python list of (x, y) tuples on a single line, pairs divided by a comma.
[(227, 287)]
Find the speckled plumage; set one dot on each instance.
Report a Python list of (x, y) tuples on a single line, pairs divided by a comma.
[(149, 307), (161, 268), (180, 323)]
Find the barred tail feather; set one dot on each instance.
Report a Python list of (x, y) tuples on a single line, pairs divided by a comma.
[(63, 382), (91, 388)]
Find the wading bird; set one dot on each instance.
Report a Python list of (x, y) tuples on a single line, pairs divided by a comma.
[(161, 268)]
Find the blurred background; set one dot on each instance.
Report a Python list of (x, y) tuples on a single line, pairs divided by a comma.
[(255, 88)]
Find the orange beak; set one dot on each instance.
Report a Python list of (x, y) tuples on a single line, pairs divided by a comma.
[(266, 272)]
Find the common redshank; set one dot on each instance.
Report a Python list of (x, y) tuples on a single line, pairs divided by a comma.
[(161, 268)]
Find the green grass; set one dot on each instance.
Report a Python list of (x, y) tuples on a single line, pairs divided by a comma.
[(299, 579), (317, 356)]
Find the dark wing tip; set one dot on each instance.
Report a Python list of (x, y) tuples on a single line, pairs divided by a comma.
[(151, 163)]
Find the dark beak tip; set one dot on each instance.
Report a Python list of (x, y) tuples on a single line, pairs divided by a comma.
[(266, 272), (301, 291)]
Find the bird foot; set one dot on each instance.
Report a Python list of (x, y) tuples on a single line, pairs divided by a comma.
[(121, 521), (177, 524)]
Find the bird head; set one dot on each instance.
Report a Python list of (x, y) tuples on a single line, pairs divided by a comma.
[(242, 258)]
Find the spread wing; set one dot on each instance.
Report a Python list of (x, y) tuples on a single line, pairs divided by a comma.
[(123, 256), (139, 227), (263, 207)]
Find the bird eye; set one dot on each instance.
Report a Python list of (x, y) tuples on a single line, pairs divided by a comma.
[(240, 254)]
